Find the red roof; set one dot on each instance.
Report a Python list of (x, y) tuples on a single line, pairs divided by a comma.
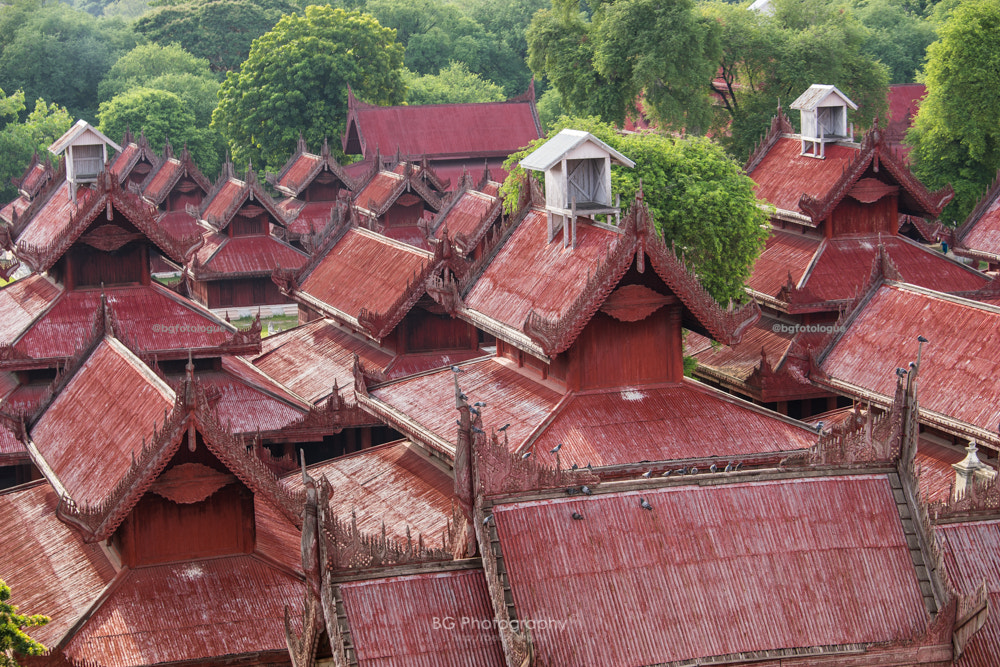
[(364, 270), (528, 273), (15, 207), (409, 364), (228, 195), (786, 254), (21, 302), (376, 193), (151, 318), (155, 187), (49, 568), (405, 621), (883, 337), (662, 423), (936, 475), (12, 450), (740, 360), (190, 611), (310, 358), (971, 555), (54, 216), (444, 130), (295, 174), (467, 215), (711, 570), (101, 423), (127, 158), (224, 256), (391, 485), (784, 174), (311, 217), (180, 224), (980, 232)]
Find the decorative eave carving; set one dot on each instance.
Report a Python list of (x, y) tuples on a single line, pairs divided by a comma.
[(779, 125), (129, 160), (325, 419), (187, 169), (35, 177), (320, 163), (412, 181), (932, 232), (244, 341), (501, 472), (380, 325), (20, 222), (442, 287), (342, 220), (249, 190)]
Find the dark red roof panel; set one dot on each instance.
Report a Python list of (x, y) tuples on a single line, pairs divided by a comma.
[(231, 191), (130, 153), (410, 364), (972, 555), (984, 235), (682, 421), (529, 273), (784, 174), (15, 207), (883, 337), (49, 568), (448, 129), (163, 178), (364, 270), (21, 302), (309, 359), (391, 485), (936, 474), (377, 192), (251, 404), (52, 219), (466, 215), (739, 361), (188, 612), (786, 254), (294, 175), (312, 216), (12, 450), (407, 621), (90, 433), (180, 224), (714, 570), (259, 254)]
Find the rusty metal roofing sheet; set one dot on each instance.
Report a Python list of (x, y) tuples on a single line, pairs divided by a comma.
[(295, 175), (409, 364), (659, 423), (151, 317), (739, 361), (784, 174), (786, 254), (49, 568), (196, 610), (90, 433), (364, 270), (377, 192), (232, 191), (14, 207), (845, 264), (312, 216), (472, 130), (391, 485), (12, 450), (959, 365), (251, 254), (180, 224), (529, 273), (712, 570), (441, 619), (511, 398), (163, 179), (466, 215), (248, 402), (936, 476), (22, 301), (984, 235), (310, 358), (53, 217), (972, 554)]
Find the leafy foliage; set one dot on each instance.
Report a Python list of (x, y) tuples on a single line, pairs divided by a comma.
[(296, 79), (146, 62), (13, 638), (18, 140), (453, 84), (956, 135), (699, 199), (896, 37)]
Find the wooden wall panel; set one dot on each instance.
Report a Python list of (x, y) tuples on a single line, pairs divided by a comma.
[(426, 332), (852, 217)]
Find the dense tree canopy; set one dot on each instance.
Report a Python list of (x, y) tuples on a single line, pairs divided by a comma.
[(18, 140), (956, 135), (147, 62), (896, 37), (295, 81), (453, 84), (13, 639), (698, 197)]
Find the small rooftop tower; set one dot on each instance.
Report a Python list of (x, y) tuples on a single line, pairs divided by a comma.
[(86, 151), (824, 118), (577, 168)]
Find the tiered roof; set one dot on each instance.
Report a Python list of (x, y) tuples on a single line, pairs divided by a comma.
[(136, 160)]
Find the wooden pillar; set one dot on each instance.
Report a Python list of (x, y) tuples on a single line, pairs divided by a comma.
[(366, 437)]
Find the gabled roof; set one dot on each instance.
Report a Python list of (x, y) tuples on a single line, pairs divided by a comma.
[(377, 194), (243, 256), (972, 555), (134, 152), (21, 301), (35, 176), (762, 569), (880, 335), (82, 132), (443, 130), (979, 235), (303, 167), (467, 217), (565, 142), (818, 95), (59, 223), (168, 173), (537, 296), (229, 194)]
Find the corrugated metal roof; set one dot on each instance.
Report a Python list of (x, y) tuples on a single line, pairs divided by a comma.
[(49, 568), (295, 174), (12, 450), (957, 363), (312, 216), (971, 555), (472, 130), (190, 611), (377, 192), (739, 361), (231, 191), (786, 253), (163, 179), (713, 570), (94, 428), (151, 317), (15, 207), (406, 621), (180, 224), (25, 398), (250, 406), (556, 148), (310, 358), (275, 536), (409, 234), (391, 485), (784, 175), (52, 219), (21, 302), (660, 423), (466, 215), (250, 254), (364, 270), (984, 235), (510, 397), (409, 364), (529, 273), (936, 474)]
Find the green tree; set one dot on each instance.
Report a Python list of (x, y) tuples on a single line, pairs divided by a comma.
[(146, 62), (18, 140), (700, 200), (956, 135), (767, 59), (161, 116), (13, 639), (220, 31), (60, 54), (600, 65), (896, 37), (453, 84), (295, 81)]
